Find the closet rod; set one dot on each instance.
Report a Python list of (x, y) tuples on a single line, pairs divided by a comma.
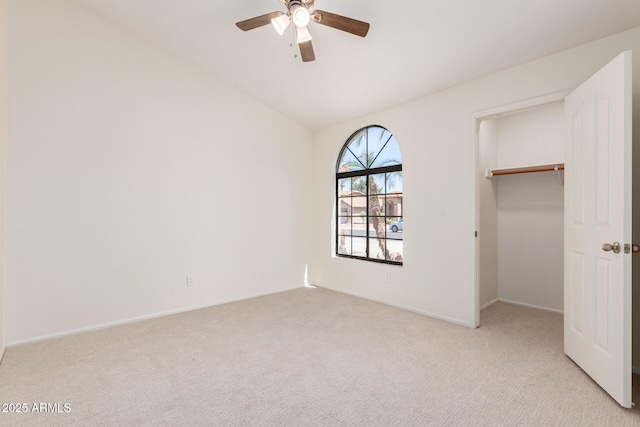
[(527, 170)]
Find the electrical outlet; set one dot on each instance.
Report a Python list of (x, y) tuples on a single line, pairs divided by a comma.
[(388, 278), (189, 280)]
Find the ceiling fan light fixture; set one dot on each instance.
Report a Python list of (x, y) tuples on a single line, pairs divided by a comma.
[(281, 22), (301, 12), (302, 34), (300, 15)]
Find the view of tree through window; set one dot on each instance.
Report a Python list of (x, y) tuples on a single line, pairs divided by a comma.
[(369, 190)]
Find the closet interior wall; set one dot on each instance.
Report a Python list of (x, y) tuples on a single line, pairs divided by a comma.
[(521, 230)]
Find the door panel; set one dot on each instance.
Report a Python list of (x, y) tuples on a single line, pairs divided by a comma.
[(577, 171), (576, 313), (602, 305), (597, 330)]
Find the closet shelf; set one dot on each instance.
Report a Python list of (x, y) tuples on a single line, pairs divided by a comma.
[(525, 169), (490, 173)]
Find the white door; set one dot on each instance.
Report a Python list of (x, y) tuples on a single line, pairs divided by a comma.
[(597, 279)]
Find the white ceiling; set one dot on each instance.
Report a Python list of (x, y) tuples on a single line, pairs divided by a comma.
[(413, 47)]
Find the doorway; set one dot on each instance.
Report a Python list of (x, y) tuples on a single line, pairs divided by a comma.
[(521, 145), (521, 208)]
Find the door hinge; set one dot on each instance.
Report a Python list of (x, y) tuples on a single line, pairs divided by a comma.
[(476, 234)]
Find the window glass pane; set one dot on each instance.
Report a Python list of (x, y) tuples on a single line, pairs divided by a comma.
[(377, 139), (359, 246), (389, 156), (348, 162), (377, 248), (395, 228), (378, 186), (377, 206), (394, 182), (395, 250), (344, 187), (393, 205), (359, 207), (377, 227), (344, 245), (344, 225), (359, 185), (358, 228), (358, 146), (344, 206)]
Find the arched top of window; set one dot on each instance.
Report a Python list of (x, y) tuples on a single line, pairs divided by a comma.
[(369, 148)]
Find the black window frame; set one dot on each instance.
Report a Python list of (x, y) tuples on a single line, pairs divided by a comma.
[(366, 172)]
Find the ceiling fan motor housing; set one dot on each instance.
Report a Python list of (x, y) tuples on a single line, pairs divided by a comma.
[(308, 3)]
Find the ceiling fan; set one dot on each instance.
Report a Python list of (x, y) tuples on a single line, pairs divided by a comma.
[(301, 12)]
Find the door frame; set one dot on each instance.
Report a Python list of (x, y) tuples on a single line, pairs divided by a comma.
[(476, 118)]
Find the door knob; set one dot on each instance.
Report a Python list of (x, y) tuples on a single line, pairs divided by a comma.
[(615, 247)]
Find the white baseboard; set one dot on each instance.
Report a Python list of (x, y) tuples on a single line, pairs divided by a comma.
[(539, 307), (146, 317), (489, 304), (400, 306)]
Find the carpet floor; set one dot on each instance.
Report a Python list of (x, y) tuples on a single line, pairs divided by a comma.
[(308, 357)]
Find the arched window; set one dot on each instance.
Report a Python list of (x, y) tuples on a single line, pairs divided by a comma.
[(369, 189)]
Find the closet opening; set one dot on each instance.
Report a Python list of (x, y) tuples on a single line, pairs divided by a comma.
[(520, 243)]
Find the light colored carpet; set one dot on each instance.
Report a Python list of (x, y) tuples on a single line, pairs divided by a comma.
[(310, 357)]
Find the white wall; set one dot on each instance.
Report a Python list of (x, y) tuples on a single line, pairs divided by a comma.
[(531, 244), (129, 170), (3, 161), (531, 137), (438, 146)]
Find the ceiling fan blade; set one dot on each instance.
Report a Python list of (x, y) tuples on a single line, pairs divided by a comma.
[(258, 21), (353, 26), (306, 51)]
